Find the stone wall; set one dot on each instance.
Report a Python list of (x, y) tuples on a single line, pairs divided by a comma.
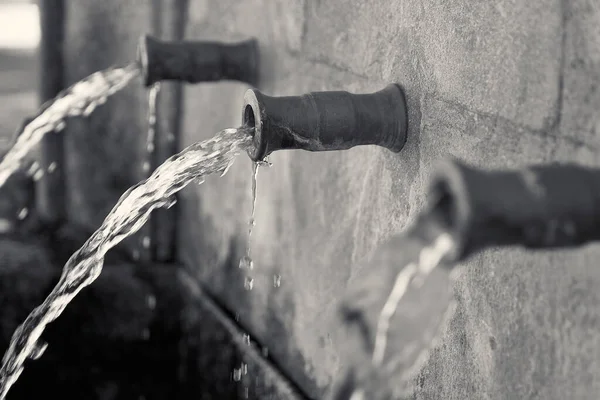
[(498, 84)]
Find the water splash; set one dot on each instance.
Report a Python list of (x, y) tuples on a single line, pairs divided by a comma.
[(81, 99), (127, 217)]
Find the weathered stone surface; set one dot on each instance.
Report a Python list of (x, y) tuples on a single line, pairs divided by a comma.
[(484, 84), (494, 57), (286, 20), (581, 72)]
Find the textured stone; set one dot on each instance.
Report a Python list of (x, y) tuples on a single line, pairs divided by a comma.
[(286, 21), (581, 66), (484, 84), (492, 57)]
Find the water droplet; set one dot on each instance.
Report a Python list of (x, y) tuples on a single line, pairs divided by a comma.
[(265, 163), (252, 221), (246, 392), (146, 242), (246, 338), (150, 147), (5, 225), (248, 283), (89, 109), (23, 213), (265, 351), (146, 166), (200, 181), (171, 201), (246, 263), (38, 349), (33, 168), (276, 280), (60, 126), (52, 167), (151, 300), (237, 317), (237, 374), (224, 170), (146, 334), (39, 174), (135, 254)]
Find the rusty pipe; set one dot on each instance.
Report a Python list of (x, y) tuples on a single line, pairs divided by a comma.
[(541, 206), (325, 121), (197, 61)]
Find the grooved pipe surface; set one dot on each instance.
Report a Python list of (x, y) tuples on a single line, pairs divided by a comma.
[(195, 61), (323, 121), (542, 206)]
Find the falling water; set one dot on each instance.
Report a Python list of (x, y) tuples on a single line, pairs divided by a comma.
[(430, 255), (81, 99), (246, 262), (152, 120), (150, 145), (413, 274), (129, 214)]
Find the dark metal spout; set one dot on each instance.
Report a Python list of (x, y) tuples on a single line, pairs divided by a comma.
[(324, 121), (542, 206), (193, 61)]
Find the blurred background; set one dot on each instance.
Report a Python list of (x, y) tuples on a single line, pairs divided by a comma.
[(19, 39)]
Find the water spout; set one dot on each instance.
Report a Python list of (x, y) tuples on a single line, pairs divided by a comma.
[(469, 210), (81, 99), (193, 62), (127, 217), (323, 121)]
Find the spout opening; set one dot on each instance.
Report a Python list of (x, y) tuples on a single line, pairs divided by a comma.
[(450, 205), (251, 119)]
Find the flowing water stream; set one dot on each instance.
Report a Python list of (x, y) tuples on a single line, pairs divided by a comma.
[(150, 148), (81, 99), (132, 210), (397, 353)]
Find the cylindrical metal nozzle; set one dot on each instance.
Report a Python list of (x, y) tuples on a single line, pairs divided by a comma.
[(543, 206), (193, 61), (323, 121)]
